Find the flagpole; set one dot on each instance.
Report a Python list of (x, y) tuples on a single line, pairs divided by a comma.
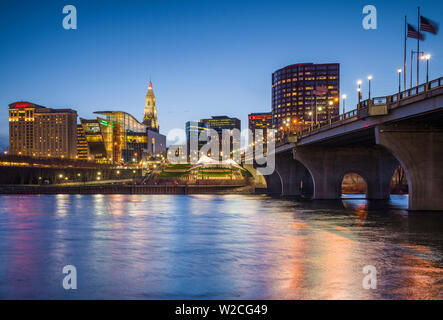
[(406, 37), (418, 49)]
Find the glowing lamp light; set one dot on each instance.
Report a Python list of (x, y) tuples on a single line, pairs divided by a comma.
[(370, 77)]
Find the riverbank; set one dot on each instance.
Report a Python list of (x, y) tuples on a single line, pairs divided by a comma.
[(126, 189)]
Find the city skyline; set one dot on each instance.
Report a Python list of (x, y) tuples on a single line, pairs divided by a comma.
[(195, 74), (330, 190)]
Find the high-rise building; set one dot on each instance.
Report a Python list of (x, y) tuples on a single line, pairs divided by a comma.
[(194, 130), (150, 116), (42, 132), (220, 123), (261, 121), (304, 94)]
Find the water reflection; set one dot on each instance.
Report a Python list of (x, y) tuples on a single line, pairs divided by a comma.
[(216, 247)]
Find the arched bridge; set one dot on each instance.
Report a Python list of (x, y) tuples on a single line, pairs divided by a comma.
[(372, 140)]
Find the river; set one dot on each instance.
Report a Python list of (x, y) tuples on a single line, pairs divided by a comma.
[(216, 247)]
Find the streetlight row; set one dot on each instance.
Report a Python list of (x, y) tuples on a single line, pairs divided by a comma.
[(359, 83), (426, 57)]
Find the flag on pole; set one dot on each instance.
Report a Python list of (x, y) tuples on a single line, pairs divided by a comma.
[(428, 25), (413, 33), (321, 90)]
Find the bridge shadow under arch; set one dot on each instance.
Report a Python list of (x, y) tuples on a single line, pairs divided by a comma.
[(353, 184), (290, 179)]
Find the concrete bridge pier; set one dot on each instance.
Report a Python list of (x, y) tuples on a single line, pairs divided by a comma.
[(419, 148), (329, 165), (290, 177)]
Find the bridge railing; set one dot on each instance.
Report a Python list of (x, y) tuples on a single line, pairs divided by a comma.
[(406, 94), (376, 101), (332, 121)]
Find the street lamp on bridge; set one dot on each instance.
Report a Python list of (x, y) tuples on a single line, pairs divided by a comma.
[(344, 104), (399, 70), (359, 82), (426, 57), (369, 79)]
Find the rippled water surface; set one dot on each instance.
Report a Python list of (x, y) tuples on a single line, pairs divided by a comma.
[(216, 247)]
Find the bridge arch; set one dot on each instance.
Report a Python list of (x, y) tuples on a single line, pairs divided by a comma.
[(274, 183), (290, 178), (353, 183), (328, 166)]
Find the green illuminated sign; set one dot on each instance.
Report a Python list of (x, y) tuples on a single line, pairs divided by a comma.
[(108, 124)]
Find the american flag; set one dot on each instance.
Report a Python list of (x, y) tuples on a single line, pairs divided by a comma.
[(321, 90), (413, 33), (428, 25)]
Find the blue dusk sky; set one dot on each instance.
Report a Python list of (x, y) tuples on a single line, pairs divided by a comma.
[(205, 58)]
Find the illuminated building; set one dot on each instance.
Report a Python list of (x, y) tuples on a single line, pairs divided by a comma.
[(261, 121), (131, 138), (295, 93), (150, 116), (125, 139), (221, 123), (96, 140), (42, 132), (82, 144), (193, 132)]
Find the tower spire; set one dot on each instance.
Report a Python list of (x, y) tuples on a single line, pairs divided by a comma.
[(150, 116)]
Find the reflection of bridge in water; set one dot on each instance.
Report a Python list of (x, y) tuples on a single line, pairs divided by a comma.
[(372, 140)]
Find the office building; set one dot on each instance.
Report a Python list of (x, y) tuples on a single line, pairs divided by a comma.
[(195, 130), (221, 123), (261, 121), (39, 131), (304, 94)]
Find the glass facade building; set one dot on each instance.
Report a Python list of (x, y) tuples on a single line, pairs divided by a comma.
[(304, 94), (117, 137)]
